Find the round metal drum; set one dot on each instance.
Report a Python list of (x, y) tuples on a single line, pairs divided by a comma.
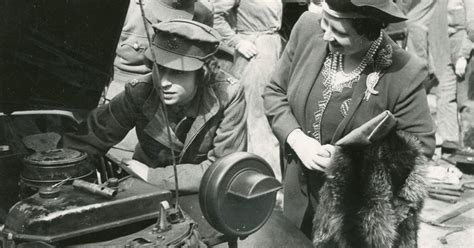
[(237, 193), (51, 166)]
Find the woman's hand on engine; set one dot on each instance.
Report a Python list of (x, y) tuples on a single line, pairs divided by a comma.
[(137, 168), (312, 154)]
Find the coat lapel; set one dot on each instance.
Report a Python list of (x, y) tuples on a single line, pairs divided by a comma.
[(157, 128), (357, 96), (205, 109), (307, 75)]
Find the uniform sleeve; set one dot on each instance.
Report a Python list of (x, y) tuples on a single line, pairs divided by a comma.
[(466, 46), (275, 98), (231, 136), (189, 176), (206, 9), (413, 113), (462, 45), (105, 126), (469, 7), (224, 13)]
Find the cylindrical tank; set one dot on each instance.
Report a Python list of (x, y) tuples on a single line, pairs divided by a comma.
[(43, 169)]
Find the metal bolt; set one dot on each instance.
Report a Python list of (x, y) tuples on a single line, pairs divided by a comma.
[(4, 148), (113, 182)]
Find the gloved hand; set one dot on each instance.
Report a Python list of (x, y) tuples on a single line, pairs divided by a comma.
[(460, 67), (312, 154)]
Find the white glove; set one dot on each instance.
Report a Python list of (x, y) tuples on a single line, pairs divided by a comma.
[(460, 67), (312, 154)]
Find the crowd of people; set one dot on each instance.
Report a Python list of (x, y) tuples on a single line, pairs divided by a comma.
[(339, 110)]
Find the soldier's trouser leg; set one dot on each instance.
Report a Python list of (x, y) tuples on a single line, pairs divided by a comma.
[(446, 115)]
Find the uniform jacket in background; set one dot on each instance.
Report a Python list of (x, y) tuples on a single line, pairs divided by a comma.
[(469, 7), (218, 129), (400, 90), (235, 17), (130, 61), (461, 45), (427, 32)]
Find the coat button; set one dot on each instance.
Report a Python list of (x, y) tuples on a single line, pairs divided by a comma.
[(136, 46)]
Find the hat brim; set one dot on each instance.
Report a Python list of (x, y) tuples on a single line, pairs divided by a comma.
[(173, 61), (164, 12), (388, 11)]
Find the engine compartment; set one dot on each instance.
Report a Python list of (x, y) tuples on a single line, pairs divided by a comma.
[(73, 212)]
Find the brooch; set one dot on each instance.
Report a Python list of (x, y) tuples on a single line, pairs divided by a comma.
[(370, 83), (383, 61)]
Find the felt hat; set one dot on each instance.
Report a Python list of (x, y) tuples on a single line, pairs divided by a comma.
[(383, 10)]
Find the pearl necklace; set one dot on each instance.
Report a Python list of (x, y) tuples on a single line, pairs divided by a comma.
[(339, 79)]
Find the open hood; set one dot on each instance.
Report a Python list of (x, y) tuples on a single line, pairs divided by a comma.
[(57, 54)]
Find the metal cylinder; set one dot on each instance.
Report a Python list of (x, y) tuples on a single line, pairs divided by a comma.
[(94, 188)]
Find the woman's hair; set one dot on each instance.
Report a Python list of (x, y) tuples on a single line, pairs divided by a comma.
[(207, 74), (369, 27)]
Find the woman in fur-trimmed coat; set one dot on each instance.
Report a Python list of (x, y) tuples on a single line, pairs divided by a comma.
[(339, 71)]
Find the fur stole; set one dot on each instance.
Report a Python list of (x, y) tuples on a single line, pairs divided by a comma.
[(372, 195)]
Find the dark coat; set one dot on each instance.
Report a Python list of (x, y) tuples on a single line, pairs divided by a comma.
[(219, 112), (400, 91)]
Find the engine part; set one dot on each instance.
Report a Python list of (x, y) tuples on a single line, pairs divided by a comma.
[(93, 188), (237, 193), (73, 212), (42, 169)]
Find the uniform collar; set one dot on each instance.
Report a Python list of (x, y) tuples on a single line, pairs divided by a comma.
[(204, 106)]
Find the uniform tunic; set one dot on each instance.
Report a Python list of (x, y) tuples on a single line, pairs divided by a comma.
[(130, 63), (217, 128)]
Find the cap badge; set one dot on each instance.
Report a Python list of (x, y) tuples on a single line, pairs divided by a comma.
[(177, 4), (173, 43)]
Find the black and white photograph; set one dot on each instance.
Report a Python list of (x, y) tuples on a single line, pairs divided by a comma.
[(237, 123)]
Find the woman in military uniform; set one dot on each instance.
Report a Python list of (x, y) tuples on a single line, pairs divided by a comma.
[(187, 105)]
